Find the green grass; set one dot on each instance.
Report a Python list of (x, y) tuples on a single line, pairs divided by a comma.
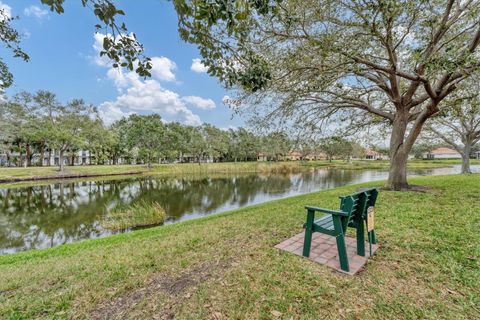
[(136, 215), (184, 168), (383, 164), (10, 174), (225, 266)]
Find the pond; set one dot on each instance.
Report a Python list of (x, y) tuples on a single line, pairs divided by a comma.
[(67, 211)]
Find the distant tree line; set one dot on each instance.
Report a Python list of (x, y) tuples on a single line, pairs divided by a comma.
[(38, 124)]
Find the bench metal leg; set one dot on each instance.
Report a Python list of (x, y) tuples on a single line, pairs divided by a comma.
[(372, 237), (361, 238), (307, 242), (340, 237), (342, 253)]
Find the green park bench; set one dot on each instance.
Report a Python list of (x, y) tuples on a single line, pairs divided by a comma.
[(354, 212)]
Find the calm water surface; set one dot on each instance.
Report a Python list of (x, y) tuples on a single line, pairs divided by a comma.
[(67, 211)]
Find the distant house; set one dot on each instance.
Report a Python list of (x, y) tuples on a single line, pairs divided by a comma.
[(76, 158), (80, 157), (294, 156), (476, 155), (442, 153), (316, 156), (190, 158), (262, 156), (374, 155)]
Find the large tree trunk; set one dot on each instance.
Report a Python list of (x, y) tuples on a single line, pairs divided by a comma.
[(49, 162), (466, 158), (397, 176), (466, 164)]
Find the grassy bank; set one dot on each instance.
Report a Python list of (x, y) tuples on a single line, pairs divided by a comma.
[(382, 164), (26, 174), (32, 173), (225, 266)]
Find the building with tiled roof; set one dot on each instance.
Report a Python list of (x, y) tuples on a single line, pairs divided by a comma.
[(442, 153)]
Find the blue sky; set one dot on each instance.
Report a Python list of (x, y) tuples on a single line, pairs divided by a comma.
[(64, 60)]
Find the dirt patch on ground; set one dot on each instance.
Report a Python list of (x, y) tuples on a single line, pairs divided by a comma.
[(10, 292), (175, 287), (411, 188)]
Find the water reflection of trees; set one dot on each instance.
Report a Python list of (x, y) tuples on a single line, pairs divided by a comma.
[(43, 216)]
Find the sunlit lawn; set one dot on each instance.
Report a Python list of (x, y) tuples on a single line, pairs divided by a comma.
[(225, 266), (227, 167)]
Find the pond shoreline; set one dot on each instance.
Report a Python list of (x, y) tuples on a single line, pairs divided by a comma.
[(46, 214), (204, 261), (69, 176), (15, 175)]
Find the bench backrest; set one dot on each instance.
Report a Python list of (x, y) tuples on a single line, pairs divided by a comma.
[(357, 205)]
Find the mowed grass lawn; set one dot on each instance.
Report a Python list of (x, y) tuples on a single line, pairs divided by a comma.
[(32, 173), (225, 266), (224, 167)]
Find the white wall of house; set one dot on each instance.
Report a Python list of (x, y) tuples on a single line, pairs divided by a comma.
[(433, 156), (81, 158), (376, 157), (448, 156)]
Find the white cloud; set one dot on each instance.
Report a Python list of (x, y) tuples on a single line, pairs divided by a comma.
[(230, 102), (121, 79), (34, 11), (111, 113), (226, 99), (198, 66), (146, 96), (162, 68), (230, 127), (200, 102), (6, 11), (97, 47)]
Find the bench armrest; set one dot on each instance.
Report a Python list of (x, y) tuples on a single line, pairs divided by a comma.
[(333, 212)]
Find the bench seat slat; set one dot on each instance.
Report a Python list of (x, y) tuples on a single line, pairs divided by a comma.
[(325, 222)]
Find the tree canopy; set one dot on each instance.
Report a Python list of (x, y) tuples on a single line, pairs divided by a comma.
[(120, 46), (459, 125), (34, 125), (351, 62)]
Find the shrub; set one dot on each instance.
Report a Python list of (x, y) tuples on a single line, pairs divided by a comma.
[(141, 214)]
